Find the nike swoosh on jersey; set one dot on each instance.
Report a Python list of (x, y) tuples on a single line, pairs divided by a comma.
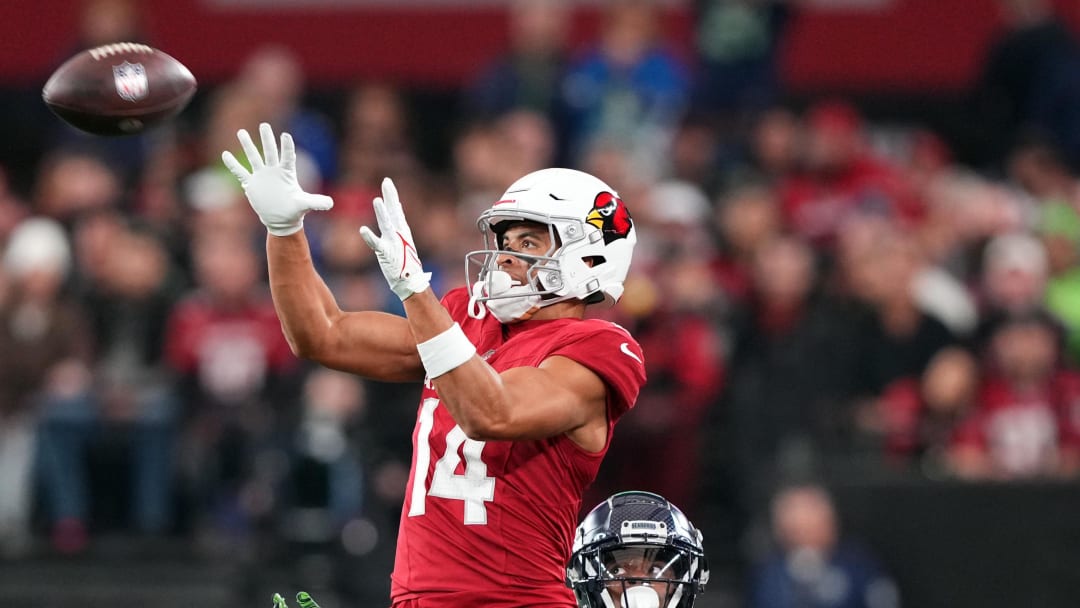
[(625, 348)]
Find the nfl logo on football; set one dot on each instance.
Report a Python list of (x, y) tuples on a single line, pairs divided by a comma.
[(130, 79)]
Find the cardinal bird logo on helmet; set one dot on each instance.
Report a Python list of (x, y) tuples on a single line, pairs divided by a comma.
[(610, 215)]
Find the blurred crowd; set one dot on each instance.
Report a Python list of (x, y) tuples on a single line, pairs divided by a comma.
[(811, 288)]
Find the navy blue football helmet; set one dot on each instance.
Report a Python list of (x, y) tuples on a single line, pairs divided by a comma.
[(637, 550)]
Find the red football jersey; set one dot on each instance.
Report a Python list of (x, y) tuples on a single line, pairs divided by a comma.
[(491, 523)]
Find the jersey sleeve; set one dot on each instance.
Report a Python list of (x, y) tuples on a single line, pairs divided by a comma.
[(456, 302), (481, 332), (611, 353)]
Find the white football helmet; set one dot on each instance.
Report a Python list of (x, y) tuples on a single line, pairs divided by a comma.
[(592, 236)]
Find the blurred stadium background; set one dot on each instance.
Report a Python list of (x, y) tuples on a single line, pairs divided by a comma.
[(857, 286)]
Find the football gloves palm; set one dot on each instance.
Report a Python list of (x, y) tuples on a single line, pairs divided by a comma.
[(394, 246), (271, 186)]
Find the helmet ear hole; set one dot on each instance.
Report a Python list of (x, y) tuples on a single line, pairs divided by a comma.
[(595, 297)]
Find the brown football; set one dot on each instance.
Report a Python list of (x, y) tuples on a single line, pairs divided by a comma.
[(119, 89)]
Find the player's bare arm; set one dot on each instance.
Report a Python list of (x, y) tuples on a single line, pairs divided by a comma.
[(368, 343), (371, 344), (559, 396)]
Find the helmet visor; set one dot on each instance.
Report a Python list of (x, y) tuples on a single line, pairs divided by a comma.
[(663, 570), (644, 562)]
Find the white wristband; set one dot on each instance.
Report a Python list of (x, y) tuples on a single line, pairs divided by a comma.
[(445, 352)]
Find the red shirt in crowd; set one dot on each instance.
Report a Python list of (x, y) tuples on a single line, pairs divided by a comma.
[(1025, 432)]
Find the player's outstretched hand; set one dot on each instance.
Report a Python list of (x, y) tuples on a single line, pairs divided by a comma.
[(271, 185), (302, 598), (394, 245)]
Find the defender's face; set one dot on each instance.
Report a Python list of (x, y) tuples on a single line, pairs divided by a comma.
[(629, 566)]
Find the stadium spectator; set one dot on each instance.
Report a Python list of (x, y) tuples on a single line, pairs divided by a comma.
[(210, 200), (1028, 82), (491, 154), (226, 107), (1014, 273), (1037, 166), (376, 140), (108, 21), (737, 43), (1013, 282), (841, 177), (627, 89), (45, 386), (781, 332), (916, 417), (813, 566), (735, 74), (478, 167), (677, 217), (273, 77), (774, 148), (898, 338), (926, 158), (965, 211), (746, 219), (74, 181), (527, 75), (612, 160), (235, 370), (1024, 424), (128, 301), (529, 141), (326, 480), (126, 291), (698, 154)]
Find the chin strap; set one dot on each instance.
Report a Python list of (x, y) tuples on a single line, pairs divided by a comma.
[(477, 310), (517, 301)]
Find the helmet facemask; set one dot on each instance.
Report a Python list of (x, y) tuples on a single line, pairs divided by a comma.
[(639, 576), (546, 277)]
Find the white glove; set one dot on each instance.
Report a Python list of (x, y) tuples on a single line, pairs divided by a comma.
[(394, 247), (271, 186)]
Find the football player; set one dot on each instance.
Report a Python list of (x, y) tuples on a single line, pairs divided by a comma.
[(521, 392), (637, 550)]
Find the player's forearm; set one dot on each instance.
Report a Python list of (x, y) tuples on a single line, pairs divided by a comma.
[(303, 302), (476, 397), (518, 404), (372, 344), (473, 392)]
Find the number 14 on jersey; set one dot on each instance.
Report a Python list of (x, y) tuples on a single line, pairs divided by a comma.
[(474, 486)]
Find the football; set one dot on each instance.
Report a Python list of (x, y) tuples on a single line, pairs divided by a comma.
[(119, 89)]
